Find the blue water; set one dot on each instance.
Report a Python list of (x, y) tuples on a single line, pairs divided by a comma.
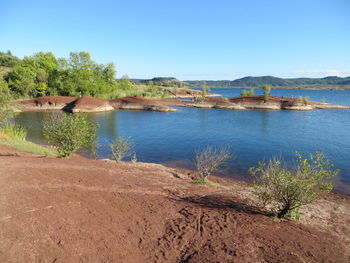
[(253, 135)]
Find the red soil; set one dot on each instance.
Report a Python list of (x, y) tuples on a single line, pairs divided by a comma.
[(50, 100), (87, 103), (136, 100), (80, 210), (260, 98)]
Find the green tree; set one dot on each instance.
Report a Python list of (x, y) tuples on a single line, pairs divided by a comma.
[(244, 93), (8, 60), (125, 84), (267, 92), (21, 81), (251, 92), (70, 133), (5, 109), (286, 190), (204, 91), (80, 76), (31, 77)]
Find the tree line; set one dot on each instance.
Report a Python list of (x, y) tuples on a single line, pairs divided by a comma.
[(42, 74)]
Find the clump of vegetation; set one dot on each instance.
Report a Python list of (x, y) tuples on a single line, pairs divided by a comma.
[(121, 148), (70, 133), (14, 130), (205, 182), (204, 91), (306, 100), (43, 74), (5, 109), (244, 93), (134, 158), (300, 100), (303, 100), (8, 60), (26, 146), (250, 92), (287, 190), (267, 92), (209, 159)]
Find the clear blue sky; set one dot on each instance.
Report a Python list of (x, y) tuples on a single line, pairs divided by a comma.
[(187, 39)]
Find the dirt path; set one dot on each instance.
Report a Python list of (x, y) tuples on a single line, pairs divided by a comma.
[(79, 210)]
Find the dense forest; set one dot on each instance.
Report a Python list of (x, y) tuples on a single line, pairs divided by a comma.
[(42, 74)]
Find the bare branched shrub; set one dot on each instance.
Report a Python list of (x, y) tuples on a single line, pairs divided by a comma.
[(209, 159), (122, 147)]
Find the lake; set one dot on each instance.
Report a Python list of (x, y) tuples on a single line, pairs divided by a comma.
[(253, 135)]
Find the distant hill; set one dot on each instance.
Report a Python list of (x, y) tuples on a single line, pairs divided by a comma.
[(280, 82), (303, 83), (330, 82)]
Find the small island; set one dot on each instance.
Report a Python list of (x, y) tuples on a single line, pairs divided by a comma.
[(90, 104)]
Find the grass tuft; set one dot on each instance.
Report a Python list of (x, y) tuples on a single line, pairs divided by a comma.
[(26, 146), (206, 182), (14, 130)]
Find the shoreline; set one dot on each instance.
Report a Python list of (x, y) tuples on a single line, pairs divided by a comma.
[(90, 104), (176, 164), (79, 208), (82, 208)]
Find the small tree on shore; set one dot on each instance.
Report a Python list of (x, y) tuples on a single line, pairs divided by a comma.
[(245, 92), (209, 159), (300, 100), (251, 92), (5, 109), (121, 148), (306, 100), (205, 90), (267, 92), (70, 132), (284, 190)]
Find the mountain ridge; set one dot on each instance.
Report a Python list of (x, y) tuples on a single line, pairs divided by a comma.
[(255, 82)]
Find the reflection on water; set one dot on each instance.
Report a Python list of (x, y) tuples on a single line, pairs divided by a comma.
[(265, 122), (253, 135)]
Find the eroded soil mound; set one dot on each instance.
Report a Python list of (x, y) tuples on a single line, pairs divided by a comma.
[(48, 102), (79, 210), (89, 104), (139, 103)]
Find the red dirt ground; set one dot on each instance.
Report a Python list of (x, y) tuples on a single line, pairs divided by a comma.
[(80, 210), (51, 100)]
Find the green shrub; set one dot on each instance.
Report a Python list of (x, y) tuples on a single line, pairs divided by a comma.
[(204, 91), (251, 92), (300, 100), (243, 93), (209, 159), (121, 148), (70, 133), (287, 190), (14, 130), (5, 98), (306, 100), (267, 92)]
